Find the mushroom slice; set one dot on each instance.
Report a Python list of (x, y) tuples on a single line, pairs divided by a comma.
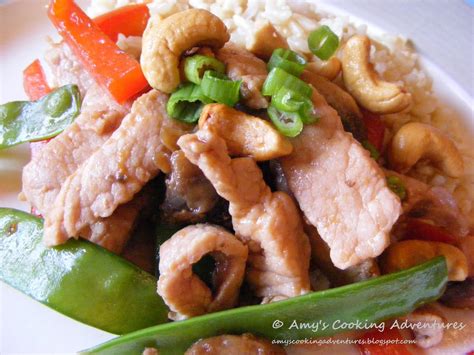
[(189, 195), (459, 294), (182, 290)]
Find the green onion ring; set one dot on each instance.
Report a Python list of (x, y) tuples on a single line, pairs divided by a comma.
[(186, 103), (287, 60), (287, 123), (197, 65), (278, 78), (323, 42), (219, 88)]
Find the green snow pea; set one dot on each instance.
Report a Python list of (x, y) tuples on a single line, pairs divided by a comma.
[(369, 301), (25, 121), (79, 279)]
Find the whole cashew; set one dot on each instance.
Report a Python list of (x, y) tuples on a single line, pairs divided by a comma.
[(408, 253), (362, 82), (165, 40), (244, 134), (415, 141), (328, 69)]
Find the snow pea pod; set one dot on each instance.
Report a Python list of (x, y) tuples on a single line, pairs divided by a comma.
[(26, 121), (79, 279), (369, 301)]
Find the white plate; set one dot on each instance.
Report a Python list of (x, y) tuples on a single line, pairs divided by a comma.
[(29, 327)]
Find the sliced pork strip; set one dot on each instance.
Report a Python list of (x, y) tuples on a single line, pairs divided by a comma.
[(182, 290), (243, 65), (320, 257), (269, 223), (340, 189), (66, 68), (113, 232), (132, 156), (189, 195), (235, 345), (55, 161)]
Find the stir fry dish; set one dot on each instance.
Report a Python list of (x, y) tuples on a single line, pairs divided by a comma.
[(202, 176)]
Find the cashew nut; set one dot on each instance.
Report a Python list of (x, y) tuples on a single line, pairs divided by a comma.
[(362, 82), (408, 253), (329, 68), (415, 141), (265, 40), (431, 333), (244, 134), (165, 40)]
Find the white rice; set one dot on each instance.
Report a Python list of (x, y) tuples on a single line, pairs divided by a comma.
[(392, 57)]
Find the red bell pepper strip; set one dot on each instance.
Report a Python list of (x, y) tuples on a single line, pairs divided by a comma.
[(35, 86), (34, 81), (129, 20), (375, 129), (380, 343), (114, 69), (420, 230)]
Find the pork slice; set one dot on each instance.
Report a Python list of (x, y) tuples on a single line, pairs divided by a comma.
[(243, 65), (66, 68), (111, 176), (182, 290), (320, 257), (55, 161), (269, 223), (340, 189)]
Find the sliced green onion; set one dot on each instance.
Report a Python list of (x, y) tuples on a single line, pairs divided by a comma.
[(278, 78), (287, 60), (221, 89), (287, 100), (186, 103), (396, 185), (197, 65), (374, 153), (308, 113), (288, 123), (323, 42)]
